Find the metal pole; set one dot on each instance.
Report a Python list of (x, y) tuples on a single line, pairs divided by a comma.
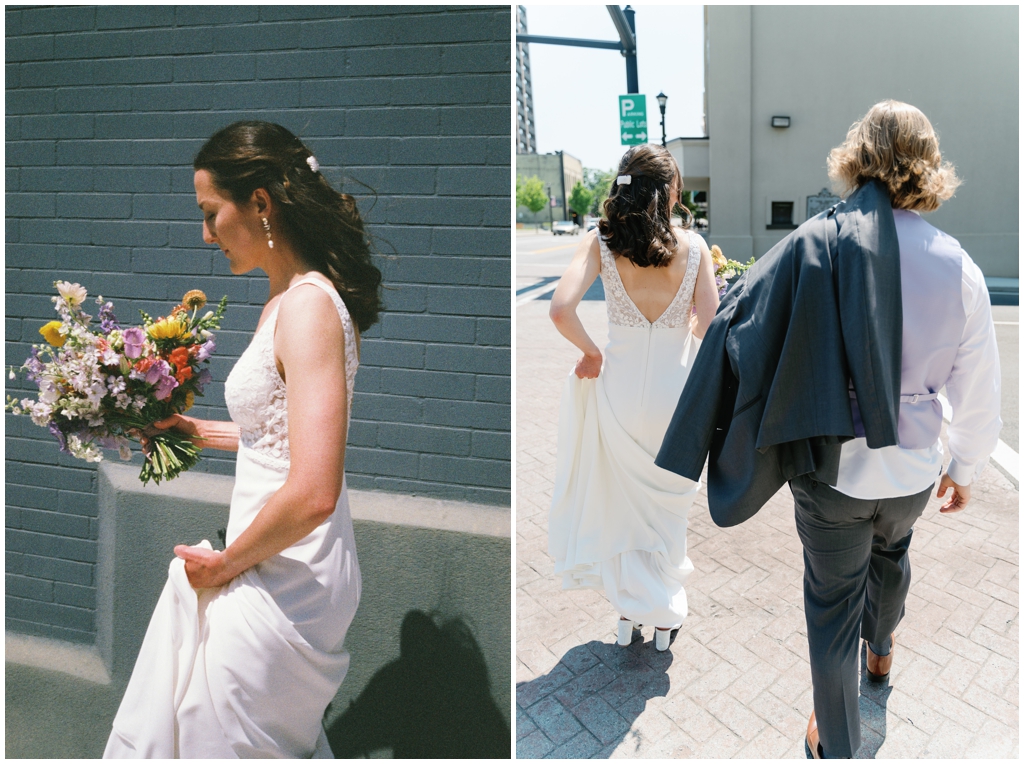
[(632, 79), (551, 211)]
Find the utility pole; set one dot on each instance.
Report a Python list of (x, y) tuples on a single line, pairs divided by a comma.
[(551, 211)]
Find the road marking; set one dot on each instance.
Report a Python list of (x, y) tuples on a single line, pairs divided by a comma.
[(548, 249), (533, 294), (1005, 458)]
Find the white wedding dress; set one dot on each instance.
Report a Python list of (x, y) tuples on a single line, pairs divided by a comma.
[(246, 670), (618, 521)]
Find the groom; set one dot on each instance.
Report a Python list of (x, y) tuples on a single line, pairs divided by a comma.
[(822, 369)]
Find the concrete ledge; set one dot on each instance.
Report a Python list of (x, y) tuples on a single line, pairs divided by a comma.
[(82, 661)]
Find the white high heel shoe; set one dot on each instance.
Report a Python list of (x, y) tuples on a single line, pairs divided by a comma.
[(661, 638), (625, 632)]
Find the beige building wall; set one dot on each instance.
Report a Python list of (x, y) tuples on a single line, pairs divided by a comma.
[(824, 67)]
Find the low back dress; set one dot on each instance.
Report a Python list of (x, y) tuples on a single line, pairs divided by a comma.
[(617, 521), (246, 670)]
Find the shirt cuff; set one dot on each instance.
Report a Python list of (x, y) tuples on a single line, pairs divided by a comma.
[(962, 474)]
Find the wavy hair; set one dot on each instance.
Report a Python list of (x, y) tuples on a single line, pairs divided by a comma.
[(895, 143), (637, 220), (323, 224)]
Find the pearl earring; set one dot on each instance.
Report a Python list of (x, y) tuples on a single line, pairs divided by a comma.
[(266, 227)]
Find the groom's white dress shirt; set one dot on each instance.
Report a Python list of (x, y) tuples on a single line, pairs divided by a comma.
[(972, 386)]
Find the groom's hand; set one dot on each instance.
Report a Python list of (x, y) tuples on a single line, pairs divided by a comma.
[(205, 568), (961, 495), (589, 366)]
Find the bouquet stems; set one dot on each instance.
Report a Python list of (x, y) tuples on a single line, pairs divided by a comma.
[(169, 455)]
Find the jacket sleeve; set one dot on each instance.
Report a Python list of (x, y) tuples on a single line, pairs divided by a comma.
[(688, 438)]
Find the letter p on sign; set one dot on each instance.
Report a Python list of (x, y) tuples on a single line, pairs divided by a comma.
[(626, 104)]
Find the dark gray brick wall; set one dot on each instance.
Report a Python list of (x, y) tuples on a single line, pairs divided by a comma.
[(106, 108)]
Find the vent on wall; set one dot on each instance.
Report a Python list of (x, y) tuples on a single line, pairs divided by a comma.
[(780, 215)]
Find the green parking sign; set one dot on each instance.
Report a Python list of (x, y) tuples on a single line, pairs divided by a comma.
[(633, 119)]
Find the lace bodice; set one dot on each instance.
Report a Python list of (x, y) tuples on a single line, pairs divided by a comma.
[(621, 309), (255, 393)]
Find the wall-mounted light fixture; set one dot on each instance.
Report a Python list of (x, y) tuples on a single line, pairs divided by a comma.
[(780, 121)]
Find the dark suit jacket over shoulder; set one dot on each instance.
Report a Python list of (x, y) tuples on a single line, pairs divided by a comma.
[(768, 396)]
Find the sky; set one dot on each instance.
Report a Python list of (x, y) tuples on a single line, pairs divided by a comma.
[(576, 90)]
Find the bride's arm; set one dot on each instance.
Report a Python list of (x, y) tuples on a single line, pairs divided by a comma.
[(584, 268), (309, 342), (705, 293), (205, 433)]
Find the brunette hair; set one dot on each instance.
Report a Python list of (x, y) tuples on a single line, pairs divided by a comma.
[(637, 221), (895, 143), (323, 224)]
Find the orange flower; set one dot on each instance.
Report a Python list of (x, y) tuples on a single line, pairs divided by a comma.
[(143, 364), (179, 357), (184, 373)]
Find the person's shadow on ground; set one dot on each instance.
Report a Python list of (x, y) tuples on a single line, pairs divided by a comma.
[(433, 702), (874, 697), (588, 703)]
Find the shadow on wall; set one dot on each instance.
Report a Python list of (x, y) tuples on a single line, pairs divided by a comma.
[(434, 701)]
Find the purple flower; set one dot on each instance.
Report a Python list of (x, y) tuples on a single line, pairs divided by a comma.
[(133, 339), (202, 379), (108, 321), (206, 350), (55, 431), (159, 374)]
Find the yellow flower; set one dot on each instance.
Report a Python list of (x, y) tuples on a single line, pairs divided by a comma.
[(716, 256), (194, 299), (167, 329), (190, 398), (51, 333)]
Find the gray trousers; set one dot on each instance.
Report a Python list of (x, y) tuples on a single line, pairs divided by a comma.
[(856, 579)]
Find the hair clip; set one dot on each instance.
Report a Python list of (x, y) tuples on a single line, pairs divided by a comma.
[(313, 164), (623, 180)]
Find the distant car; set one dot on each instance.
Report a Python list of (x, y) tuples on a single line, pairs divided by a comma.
[(564, 226), (593, 224)]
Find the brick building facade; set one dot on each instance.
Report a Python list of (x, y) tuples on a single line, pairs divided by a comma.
[(106, 107)]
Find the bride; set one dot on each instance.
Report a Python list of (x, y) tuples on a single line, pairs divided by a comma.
[(244, 650), (617, 521)]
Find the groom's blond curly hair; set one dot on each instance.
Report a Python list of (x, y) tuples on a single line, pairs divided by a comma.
[(896, 144)]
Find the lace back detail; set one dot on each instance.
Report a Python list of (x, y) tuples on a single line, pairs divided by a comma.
[(256, 395), (622, 311)]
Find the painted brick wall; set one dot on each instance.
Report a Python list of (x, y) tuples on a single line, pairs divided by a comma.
[(106, 108)]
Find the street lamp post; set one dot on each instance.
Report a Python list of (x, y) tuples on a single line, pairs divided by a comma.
[(662, 100)]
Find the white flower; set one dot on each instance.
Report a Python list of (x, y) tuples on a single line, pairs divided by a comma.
[(11, 375), (73, 294), (110, 358), (313, 164)]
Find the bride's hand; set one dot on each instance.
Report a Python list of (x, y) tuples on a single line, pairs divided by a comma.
[(589, 366), (205, 568), (184, 425)]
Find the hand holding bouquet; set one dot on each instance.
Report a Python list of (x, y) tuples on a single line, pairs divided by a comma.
[(100, 386)]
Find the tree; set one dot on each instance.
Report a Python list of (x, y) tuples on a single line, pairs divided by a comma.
[(600, 183), (580, 199), (530, 194)]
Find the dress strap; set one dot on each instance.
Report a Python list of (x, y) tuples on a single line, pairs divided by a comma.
[(312, 280)]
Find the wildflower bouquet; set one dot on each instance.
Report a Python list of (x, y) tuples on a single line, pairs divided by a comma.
[(100, 386), (726, 269)]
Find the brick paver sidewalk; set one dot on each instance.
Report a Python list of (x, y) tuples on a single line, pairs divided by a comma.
[(736, 681)]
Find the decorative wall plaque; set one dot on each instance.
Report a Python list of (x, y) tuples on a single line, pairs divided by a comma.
[(820, 202)]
